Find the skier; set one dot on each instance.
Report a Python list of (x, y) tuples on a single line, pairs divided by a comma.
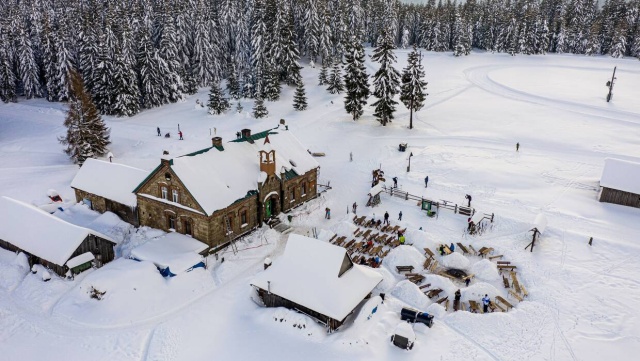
[(485, 303), (159, 131), (354, 207), (517, 146), (180, 134), (400, 216), (395, 182), (386, 218), (426, 181)]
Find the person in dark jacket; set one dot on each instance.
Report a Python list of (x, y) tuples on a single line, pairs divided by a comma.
[(395, 182), (400, 216), (485, 303), (386, 217), (159, 131), (452, 247), (426, 181)]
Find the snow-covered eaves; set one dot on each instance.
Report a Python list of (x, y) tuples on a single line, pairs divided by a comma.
[(173, 250), (80, 259), (109, 180), (40, 233), (307, 274), (168, 202), (621, 174)]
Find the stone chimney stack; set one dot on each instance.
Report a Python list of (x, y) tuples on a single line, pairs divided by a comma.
[(217, 142), (246, 133)]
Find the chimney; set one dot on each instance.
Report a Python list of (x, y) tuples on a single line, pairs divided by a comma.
[(246, 133), (216, 142)]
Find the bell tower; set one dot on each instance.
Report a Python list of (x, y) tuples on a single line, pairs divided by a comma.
[(267, 158)]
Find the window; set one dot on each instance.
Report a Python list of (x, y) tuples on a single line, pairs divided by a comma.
[(293, 194), (171, 221), (165, 194), (304, 189), (243, 217), (187, 227), (174, 195)]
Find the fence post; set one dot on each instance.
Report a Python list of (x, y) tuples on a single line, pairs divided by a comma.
[(491, 217), (455, 210), (406, 196)]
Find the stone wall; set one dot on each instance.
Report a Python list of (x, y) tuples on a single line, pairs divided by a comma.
[(97, 202), (302, 194), (217, 225)]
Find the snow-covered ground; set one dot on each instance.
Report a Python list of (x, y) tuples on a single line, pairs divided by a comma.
[(582, 300)]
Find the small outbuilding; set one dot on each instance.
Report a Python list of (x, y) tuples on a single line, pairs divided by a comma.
[(316, 278), (620, 183), (173, 253), (105, 186), (51, 241)]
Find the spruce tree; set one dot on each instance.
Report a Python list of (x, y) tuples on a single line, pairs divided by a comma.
[(217, 103), (259, 109), (335, 80), (233, 83), (239, 107), (356, 80), (385, 81), (28, 72), (7, 76), (272, 87), (412, 91), (87, 135), (322, 77), (300, 98)]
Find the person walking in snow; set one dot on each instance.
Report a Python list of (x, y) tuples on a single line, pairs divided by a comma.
[(467, 281), (327, 213), (400, 216), (517, 146), (395, 182), (426, 181), (159, 131), (354, 207), (468, 198), (180, 134), (485, 303), (386, 218)]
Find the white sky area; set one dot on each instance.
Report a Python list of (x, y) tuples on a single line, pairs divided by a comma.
[(582, 300)]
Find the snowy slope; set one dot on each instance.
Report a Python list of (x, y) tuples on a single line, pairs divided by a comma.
[(582, 299)]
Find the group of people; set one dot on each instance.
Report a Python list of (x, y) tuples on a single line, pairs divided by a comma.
[(452, 247), (168, 135)]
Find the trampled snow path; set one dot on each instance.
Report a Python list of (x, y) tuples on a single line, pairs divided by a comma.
[(481, 77)]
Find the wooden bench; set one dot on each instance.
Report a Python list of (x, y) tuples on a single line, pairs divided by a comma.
[(473, 249), (340, 241), (394, 244), (504, 263), (434, 264), (493, 306), (428, 253), (425, 286), (401, 269), (474, 307), (366, 234), (504, 302), (524, 291), (427, 263), (462, 248), (515, 283), (444, 274), (433, 293), (506, 268), (416, 279), (442, 299), (494, 257), (484, 251), (505, 281), (385, 253), (393, 229), (332, 238), (446, 305), (515, 295)]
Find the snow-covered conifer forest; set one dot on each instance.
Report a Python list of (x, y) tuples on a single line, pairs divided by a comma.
[(141, 54)]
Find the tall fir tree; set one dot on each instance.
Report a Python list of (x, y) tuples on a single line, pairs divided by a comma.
[(259, 108), (87, 135), (28, 72), (7, 76), (356, 80), (300, 98), (335, 80), (413, 90), (386, 80), (217, 104), (323, 76)]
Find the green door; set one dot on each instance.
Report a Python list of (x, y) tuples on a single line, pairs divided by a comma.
[(268, 208)]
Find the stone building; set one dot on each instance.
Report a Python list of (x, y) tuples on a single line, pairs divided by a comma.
[(227, 190), (105, 186)]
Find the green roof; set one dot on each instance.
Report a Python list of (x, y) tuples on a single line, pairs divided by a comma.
[(290, 174), (256, 136)]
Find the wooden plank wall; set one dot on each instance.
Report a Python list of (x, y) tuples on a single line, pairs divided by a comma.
[(273, 300), (609, 195)]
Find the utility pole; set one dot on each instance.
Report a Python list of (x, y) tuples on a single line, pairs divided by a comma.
[(610, 84)]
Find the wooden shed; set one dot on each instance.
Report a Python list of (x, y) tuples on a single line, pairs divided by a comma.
[(316, 278), (49, 240), (620, 183)]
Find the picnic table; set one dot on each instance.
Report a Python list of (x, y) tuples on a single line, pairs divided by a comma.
[(433, 293), (401, 269), (484, 251), (375, 250), (428, 253), (385, 253), (359, 220), (442, 299), (434, 264), (416, 279), (350, 244), (366, 234), (427, 263), (473, 249), (515, 295), (506, 268), (462, 248), (503, 301), (494, 257), (332, 238), (340, 240), (515, 282), (425, 286), (474, 307), (494, 305)]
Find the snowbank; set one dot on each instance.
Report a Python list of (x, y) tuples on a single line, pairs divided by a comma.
[(420, 240), (344, 228), (388, 280), (13, 268), (436, 310), (455, 260), (410, 294), (404, 256), (485, 270), (443, 283), (477, 291)]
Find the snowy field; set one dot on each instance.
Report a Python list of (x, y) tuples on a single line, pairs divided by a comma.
[(582, 302)]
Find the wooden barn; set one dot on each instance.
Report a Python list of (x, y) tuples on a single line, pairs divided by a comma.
[(620, 183), (106, 186), (227, 190), (316, 278), (50, 241)]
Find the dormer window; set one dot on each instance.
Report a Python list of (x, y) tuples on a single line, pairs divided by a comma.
[(164, 193), (174, 195)]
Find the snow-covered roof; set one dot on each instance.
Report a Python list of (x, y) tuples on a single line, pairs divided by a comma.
[(234, 171), (109, 180), (477, 217), (80, 259), (307, 274), (540, 223), (40, 233), (173, 250), (621, 175), (375, 190)]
